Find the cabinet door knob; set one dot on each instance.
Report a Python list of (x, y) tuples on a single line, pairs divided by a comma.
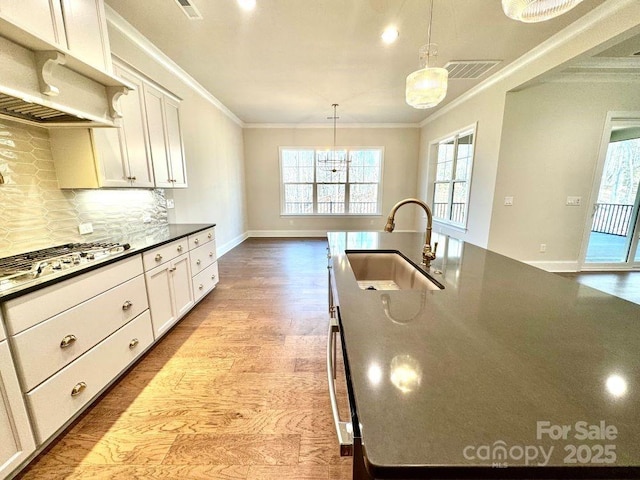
[(78, 389), (213, 277), (200, 287), (172, 269), (158, 257), (127, 305), (196, 241), (209, 236), (198, 262), (134, 343), (179, 248), (211, 254), (67, 341)]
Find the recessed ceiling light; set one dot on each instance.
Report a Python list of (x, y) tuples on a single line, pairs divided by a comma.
[(247, 4), (390, 35)]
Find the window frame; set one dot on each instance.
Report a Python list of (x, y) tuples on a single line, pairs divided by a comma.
[(434, 148), (315, 183)]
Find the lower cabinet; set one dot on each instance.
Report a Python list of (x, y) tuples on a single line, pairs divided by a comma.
[(16, 439), (62, 395), (170, 292)]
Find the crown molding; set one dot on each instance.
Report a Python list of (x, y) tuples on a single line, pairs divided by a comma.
[(118, 22), (324, 125), (564, 36)]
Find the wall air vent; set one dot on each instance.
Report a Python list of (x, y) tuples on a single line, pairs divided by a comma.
[(189, 9), (470, 69)]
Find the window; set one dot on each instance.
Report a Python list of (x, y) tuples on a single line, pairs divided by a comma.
[(453, 178), (308, 189)]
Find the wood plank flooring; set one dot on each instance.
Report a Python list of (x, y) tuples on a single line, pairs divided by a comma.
[(621, 284), (237, 390)]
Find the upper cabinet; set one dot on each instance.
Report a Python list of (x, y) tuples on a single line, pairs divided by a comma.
[(165, 138), (42, 18), (144, 151), (86, 30)]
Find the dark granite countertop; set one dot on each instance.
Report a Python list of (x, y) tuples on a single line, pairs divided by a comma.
[(139, 241), (455, 383)]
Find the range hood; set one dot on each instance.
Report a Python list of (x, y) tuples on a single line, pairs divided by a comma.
[(47, 86)]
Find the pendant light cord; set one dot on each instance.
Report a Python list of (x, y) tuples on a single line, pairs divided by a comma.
[(429, 34)]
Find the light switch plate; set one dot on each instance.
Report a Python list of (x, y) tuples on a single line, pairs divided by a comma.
[(574, 201), (170, 203)]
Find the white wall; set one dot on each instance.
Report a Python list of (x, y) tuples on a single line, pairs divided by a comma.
[(213, 150), (549, 150), (401, 146), (603, 27)]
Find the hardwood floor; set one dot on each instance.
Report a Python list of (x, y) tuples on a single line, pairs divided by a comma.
[(621, 284), (237, 390)]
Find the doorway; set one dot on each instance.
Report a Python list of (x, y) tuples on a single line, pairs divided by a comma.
[(613, 236)]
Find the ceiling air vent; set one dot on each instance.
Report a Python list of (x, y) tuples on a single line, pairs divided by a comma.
[(470, 69), (189, 9)]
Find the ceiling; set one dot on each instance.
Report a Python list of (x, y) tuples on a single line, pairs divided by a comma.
[(287, 61)]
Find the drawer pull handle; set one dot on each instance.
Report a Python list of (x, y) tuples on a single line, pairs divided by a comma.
[(179, 248), (213, 277), (158, 257), (78, 389), (173, 269), (127, 305), (200, 287), (134, 343), (68, 341), (211, 254), (209, 236), (196, 241), (198, 262)]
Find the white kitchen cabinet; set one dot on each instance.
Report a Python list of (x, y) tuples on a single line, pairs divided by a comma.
[(16, 438), (86, 31), (123, 154), (165, 138), (169, 288), (41, 18)]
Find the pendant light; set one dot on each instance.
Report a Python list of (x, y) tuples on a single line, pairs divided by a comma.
[(531, 11), (427, 87), (333, 161)]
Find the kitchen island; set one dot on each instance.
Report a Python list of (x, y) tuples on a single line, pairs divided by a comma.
[(506, 372)]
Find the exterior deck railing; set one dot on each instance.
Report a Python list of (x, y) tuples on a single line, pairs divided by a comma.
[(612, 218)]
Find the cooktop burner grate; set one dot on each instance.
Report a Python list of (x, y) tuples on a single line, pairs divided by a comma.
[(26, 261)]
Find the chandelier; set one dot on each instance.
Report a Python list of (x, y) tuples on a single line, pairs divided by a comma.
[(333, 161), (531, 11), (427, 87)]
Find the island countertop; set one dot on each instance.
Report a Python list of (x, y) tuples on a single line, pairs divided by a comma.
[(507, 372)]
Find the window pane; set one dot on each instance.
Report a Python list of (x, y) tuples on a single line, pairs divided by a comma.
[(363, 198), (441, 201), (298, 198), (364, 166), (331, 198), (331, 166), (297, 166), (459, 202), (462, 169)]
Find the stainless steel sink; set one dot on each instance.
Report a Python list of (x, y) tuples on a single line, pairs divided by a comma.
[(388, 270)]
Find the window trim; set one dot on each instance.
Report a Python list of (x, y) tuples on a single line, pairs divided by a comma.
[(315, 214), (433, 149)]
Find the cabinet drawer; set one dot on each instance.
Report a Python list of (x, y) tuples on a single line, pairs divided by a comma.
[(204, 282), (47, 347), (55, 401), (28, 310), (200, 238), (202, 257), (164, 253)]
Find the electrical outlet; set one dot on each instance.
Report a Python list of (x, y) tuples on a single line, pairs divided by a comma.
[(574, 201), (85, 228), (170, 203), (508, 201), (543, 248)]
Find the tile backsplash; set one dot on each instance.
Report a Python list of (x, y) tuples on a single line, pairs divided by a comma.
[(35, 213)]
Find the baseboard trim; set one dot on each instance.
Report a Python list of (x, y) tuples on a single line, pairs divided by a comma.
[(224, 248), (287, 233), (560, 266)]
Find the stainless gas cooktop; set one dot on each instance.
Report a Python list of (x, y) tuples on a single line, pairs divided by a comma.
[(28, 267)]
